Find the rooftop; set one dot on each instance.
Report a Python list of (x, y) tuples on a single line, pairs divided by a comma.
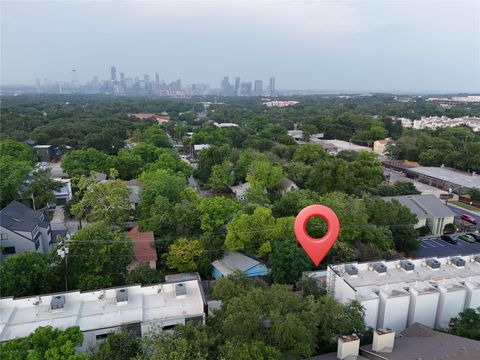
[(423, 278), (449, 175), (424, 206), (144, 243), (99, 309), (18, 217), (234, 261)]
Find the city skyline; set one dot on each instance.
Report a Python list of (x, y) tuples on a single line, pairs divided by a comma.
[(320, 45)]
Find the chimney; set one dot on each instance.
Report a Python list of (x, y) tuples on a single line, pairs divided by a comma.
[(383, 340), (348, 346)]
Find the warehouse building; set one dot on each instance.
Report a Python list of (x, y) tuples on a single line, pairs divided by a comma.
[(97, 313), (397, 294)]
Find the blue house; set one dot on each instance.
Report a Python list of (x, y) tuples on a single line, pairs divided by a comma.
[(236, 261)]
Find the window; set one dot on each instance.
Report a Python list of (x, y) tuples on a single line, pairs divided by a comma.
[(169, 327), (3, 236), (195, 321), (101, 336), (8, 250)]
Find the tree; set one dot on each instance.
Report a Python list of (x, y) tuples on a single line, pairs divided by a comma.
[(398, 218), (249, 350), (28, 274), (82, 162), (123, 345), (168, 160), (184, 255), (256, 233), (98, 257), (221, 177), (14, 172), (235, 285), (41, 187), (184, 343), (208, 158), (105, 201), (216, 212), (18, 150), (398, 189), (265, 173), (474, 193), (147, 152), (310, 287), (288, 261), (309, 154), (466, 324), (45, 343), (145, 275)]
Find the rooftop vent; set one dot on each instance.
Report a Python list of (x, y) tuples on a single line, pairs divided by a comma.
[(433, 263), (407, 265), (58, 302), (458, 261), (180, 289), (477, 258), (380, 268), (122, 295), (351, 269)]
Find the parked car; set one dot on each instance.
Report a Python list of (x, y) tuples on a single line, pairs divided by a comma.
[(468, 218), (476, 236), (449, 239), (467, 238)]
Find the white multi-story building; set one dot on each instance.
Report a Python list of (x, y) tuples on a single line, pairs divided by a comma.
[(397, 294), (100, 312), (436, 122)]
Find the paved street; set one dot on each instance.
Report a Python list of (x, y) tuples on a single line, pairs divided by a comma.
[(437, 247), (460, 211)]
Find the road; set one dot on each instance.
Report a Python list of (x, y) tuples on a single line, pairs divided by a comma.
[(434, 247), (460, 211)]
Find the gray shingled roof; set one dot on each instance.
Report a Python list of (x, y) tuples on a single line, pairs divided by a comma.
[(450, 175), (18, 217), (424, 206)]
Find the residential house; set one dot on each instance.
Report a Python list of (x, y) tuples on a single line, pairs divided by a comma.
[(236, 261), (380, 146), (199, 147), (430, 211), (137, 308), (64, 194), (24, 230), (144, 244), (240, 190), (135, 189), (287, 185), (47, 153)]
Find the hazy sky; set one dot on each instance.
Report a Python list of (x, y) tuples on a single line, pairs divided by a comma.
[(322, 45)]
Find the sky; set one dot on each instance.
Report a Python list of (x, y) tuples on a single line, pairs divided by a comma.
[(399, 46)]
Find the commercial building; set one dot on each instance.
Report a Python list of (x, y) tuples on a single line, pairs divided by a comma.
[(233, 261), (23, 230), (335, 146), (446, 179), (429, 209), (100, 312), (397, 294)]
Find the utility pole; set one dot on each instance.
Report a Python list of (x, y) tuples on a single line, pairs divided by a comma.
[(63, 253)]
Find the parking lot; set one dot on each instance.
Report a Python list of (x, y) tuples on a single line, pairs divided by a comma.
[(435, 246)]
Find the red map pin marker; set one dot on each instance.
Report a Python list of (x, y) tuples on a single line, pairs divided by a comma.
[(317, 248)]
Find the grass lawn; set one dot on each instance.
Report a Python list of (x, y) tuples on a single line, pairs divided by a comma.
[(463, 205)]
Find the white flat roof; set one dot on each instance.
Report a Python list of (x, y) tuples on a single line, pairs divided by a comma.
[(99, 309), (367, 283)]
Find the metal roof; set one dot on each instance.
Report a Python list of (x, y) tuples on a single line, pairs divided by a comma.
[(234, 261), (424, 206), (449, 175)]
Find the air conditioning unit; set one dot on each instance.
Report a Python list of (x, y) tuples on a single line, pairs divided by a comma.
[(102, 295), (458, 261), (433, 263), (407, 265), (477, 258), (380, 268), (122, 296), (37, 301), (351, 270), (58, 302)]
